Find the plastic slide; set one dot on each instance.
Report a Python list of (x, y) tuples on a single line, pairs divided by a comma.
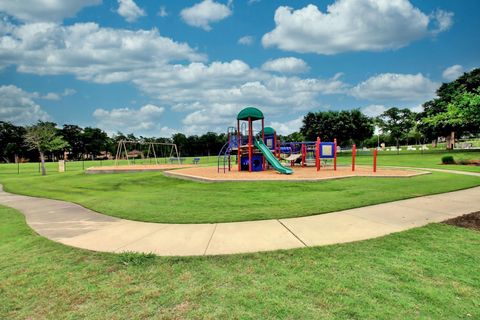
[(271, 158)]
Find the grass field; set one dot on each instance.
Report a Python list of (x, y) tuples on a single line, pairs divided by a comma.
[(153, 197), (432, 159), (422, 273)]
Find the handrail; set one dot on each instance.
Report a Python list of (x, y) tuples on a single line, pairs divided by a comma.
[(219, 155)]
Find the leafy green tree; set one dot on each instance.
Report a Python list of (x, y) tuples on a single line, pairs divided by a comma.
[(11, 141), (44, 137), (182, 143), (347, 126), (73, 135), (95, 141), (454, 110), (397, 123)]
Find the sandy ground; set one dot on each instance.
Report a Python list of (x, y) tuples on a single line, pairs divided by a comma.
[(300, 174), (137, 168)]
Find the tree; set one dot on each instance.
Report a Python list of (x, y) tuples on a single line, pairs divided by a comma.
[(347, 126), (11, 141), (95, 141), (455, 110), (44, 137), (397, 123), (182, 143), (73, 135)]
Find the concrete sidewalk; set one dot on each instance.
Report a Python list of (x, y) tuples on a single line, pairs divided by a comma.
[(76, 226)]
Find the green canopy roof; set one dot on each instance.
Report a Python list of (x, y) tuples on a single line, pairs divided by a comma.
[(268, 131), (250, 112)]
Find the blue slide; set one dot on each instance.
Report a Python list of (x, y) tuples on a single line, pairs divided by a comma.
[(271, 158)]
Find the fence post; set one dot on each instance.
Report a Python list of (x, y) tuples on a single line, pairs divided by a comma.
[(354, 153), (375, 160)]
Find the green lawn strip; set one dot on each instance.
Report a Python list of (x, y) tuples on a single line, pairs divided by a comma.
[(428, 272), (155, 198), (414, 160), (76, 166)]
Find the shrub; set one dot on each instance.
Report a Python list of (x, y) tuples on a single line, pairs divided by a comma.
[(448, 160)]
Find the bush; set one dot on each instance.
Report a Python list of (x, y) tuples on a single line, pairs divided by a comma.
[(448, 160)]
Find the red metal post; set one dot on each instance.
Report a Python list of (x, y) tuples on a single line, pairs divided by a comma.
[(304, 155), (375, 160), (250, 136), (239, 145), (317, 154), (354, 153), (335, 154), (264, 165)]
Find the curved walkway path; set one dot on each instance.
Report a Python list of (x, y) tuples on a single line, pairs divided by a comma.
[(76, 226)]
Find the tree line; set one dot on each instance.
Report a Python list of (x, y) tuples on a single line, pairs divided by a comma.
[(17, 143), (454, 112)]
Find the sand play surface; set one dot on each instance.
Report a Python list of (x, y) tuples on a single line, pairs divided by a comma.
[(211, 174)]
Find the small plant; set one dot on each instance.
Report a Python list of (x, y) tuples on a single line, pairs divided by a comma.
[(448, 160), (135, 259)]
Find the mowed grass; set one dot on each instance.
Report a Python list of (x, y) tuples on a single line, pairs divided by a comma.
[(427, 160), (430, 273), (155, 198)]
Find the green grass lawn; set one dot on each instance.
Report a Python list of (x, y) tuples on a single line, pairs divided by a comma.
[(428, 273), (153, 197), (78, 166)]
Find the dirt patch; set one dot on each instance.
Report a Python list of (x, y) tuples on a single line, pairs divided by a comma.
[(136, 168), (469, 221)]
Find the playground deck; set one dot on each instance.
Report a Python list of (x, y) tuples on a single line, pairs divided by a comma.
[(136, 168), (210, 174)]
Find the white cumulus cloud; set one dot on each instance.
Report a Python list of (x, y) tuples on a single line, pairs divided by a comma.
[(353, 25), (89, 51), (44, 10), (145, 119), (18, 106), (286, 65), (393, 86), (286, 128), (162, 12), (246, 40), (453, 72), (373, 110), (129, 10), (202, 14)]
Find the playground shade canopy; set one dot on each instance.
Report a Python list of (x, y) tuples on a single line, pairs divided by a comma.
[(250, 112), (268, 131)]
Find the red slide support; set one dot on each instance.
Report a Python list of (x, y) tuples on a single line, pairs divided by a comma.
[(354, 153), (317, 154), (304, 155), (250, 142), (239, 145), (335, 154)]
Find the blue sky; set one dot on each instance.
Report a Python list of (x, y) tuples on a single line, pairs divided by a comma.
[(158, 67)]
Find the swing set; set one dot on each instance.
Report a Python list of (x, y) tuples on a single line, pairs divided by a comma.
[(162, 149)]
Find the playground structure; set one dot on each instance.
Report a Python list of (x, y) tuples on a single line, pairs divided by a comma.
[(260, 150), (153, 148), (250, 149)]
